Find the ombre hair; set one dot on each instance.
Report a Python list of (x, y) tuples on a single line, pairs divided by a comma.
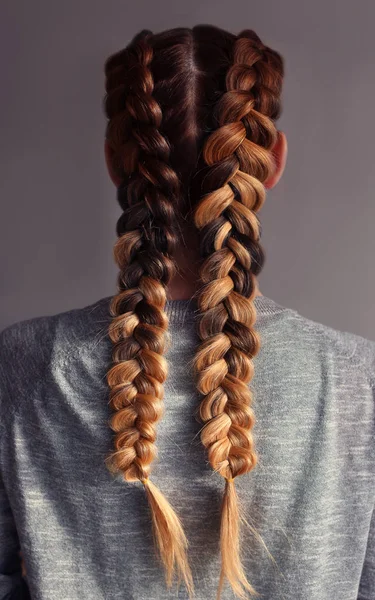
[(191, 126)]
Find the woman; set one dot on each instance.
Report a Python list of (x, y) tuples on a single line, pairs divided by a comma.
[(105, 487)]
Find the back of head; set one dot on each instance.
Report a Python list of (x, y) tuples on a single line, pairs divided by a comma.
[(190, 139)]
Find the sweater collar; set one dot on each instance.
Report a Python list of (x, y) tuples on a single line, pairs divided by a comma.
[(181, 311)]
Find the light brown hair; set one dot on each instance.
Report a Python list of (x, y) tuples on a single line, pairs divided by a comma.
[(191, 124)]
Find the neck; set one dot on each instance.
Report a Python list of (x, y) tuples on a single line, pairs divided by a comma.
[(185, 283), (181, 291)]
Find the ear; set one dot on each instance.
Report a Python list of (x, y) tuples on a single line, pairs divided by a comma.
[(280, 152), (108, 153)]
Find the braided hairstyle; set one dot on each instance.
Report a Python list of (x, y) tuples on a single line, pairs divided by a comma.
[(238, 154), (146, 240), (191, 117)]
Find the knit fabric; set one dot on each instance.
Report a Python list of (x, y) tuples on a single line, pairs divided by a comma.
[(86, 534)]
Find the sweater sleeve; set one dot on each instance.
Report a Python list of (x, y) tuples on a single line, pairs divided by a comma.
[(366, 590), (12, 585)]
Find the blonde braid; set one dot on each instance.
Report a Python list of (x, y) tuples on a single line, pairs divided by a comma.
[(239, 153), (139, 329)]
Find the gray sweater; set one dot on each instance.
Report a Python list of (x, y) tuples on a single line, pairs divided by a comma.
[(86, 535)]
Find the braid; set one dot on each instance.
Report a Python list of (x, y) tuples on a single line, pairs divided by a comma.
[(157, 123), (238, 154), (143, 252)]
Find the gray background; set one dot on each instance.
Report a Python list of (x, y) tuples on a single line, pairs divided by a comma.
[(59, 207)]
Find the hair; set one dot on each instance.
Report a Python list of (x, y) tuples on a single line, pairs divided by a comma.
[(191, 126)]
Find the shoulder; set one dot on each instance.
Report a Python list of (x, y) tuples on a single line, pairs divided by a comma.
[(30, 346), (24, 348), (25, 340), (32, 336), (335, 343)]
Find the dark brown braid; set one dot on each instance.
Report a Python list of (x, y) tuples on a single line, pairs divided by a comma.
[(239, 155), (143, 252)]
